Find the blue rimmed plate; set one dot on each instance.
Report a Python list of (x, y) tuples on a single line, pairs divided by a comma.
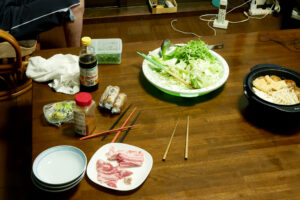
[(59, 165)]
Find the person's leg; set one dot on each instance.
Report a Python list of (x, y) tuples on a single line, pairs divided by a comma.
[(26, 21), (73, 29)]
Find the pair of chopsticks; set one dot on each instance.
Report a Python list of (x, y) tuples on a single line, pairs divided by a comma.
[(123, 125), (186, 140), (118, 130), (115, 123), (131, 125), (106, 132)]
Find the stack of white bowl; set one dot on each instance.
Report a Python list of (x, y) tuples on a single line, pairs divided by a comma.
[(59, 168)]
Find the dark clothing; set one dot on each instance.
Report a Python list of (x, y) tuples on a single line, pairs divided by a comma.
[(25, 19)]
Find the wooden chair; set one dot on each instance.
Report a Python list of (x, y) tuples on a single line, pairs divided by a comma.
[(13, 63)]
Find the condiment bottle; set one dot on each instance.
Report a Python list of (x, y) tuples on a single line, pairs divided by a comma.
[(84, 114), (88, 66)]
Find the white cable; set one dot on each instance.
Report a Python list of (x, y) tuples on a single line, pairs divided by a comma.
[(238, 6), (215, 32), (237, 22), (241, 21), (215, 15), (183, 32), (207, 20)]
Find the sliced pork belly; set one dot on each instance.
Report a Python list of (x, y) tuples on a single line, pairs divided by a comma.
[(126, 158), (108, 174)]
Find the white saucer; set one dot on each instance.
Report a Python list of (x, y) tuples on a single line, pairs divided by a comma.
[(59, 165)]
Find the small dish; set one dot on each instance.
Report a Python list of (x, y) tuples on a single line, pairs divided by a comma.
[(149, 74), (59, 186), (139, 173), (59, 165), (50, 188)]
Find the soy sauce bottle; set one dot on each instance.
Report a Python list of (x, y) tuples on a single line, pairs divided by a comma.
[(88, 66)]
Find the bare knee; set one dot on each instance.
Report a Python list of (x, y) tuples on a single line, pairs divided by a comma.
[(78, 10)]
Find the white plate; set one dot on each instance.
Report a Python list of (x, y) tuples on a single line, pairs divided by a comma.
[(139, 173), (149, 74), (59, 165), (59, 189), (56, 187)]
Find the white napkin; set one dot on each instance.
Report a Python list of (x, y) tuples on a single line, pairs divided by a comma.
[(62, 70)]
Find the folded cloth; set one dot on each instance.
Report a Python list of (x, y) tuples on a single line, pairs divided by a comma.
[(62, 70)]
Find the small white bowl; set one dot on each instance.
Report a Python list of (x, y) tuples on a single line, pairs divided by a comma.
[(59, 165), (55, 188)]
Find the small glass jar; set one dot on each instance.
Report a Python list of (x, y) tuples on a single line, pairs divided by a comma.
[(84, 114)]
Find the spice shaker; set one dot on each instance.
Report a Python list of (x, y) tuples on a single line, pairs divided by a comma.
[(84, 114)]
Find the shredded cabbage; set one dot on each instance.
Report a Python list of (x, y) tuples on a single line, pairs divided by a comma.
[(193, 62)]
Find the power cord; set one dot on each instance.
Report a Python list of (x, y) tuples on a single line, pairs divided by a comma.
[(294, 43), (214, 16), (183, 32)]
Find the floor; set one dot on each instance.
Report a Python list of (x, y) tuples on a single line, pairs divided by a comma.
[(15, 123)]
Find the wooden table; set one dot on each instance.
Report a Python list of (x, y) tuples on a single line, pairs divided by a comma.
[(233, 152)]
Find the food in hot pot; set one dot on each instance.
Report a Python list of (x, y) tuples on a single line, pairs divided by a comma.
[(276, 90)]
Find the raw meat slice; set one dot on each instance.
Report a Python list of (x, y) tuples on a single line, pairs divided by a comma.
[(126, 158), (107, 173)]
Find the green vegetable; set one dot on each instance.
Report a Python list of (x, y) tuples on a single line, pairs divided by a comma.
[(61, 111), (191, 51), (167, 50), (58, 116), (109, 58), (193, 62)]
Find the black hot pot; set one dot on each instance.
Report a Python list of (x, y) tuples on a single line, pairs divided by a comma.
[(270, 69)]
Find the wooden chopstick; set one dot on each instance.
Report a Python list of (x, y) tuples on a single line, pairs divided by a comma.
[(124, 124), (126, 132), (170, 141), (187, 138), (106, 132), (115, 123)]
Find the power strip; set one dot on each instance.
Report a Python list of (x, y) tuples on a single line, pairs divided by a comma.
[(260, 11)]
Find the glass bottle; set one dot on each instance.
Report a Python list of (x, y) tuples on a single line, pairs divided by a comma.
[(88, 66), (84, 114)]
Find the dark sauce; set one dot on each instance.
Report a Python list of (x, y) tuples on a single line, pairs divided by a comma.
[(88, 61)]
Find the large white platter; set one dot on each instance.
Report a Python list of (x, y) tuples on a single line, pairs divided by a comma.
[(59, 165), (170, 89), (139, 173)]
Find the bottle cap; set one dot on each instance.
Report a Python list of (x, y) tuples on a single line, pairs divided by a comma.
[(83, 99), (86, 41)]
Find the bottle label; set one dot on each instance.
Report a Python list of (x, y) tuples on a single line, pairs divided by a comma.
[(89, 76), (79, 123)]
